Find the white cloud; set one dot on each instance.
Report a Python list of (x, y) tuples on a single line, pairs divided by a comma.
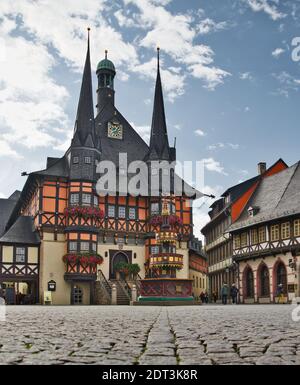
[(175, 34), (208, 25), (199, 132), (246, 76), (201, 217), (278, 52), (2, 196), (287, 83), (173, 84), (6, 150), (270, 7), (221, 145), (213, 165), (143, 131)]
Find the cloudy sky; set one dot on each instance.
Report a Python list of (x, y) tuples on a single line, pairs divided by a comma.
[(231, 86)]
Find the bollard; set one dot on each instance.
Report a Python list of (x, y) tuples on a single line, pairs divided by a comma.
[(114, 294), (133, 293)]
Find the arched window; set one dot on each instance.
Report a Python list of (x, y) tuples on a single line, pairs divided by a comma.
[(264, 280), (249, 283), (281, 277)]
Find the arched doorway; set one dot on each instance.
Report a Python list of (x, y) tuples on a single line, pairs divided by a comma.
[(280, 277), (248, 283), (264, 281), (116, 259)]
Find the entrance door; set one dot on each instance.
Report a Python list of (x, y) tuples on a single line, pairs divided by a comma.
[(77, 295), (117, 258)]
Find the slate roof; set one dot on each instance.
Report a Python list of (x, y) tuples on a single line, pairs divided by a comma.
[(159, 143), (277, 196), (22, 231), (59, 167), (132, 143), (6, 208), (84, 124)]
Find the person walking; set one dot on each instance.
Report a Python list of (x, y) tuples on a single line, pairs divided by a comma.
[(280, 294), (206, 297), (234, 293), (224, 293), (215, 296), (202, 297)]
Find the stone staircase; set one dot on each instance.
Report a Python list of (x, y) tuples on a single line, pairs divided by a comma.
[(123, 297)]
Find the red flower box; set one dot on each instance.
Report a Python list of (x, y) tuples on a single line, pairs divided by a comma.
[(84, 259)]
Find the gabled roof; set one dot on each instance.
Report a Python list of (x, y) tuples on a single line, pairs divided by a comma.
[(132, 143), (22, 231), (277, 196)]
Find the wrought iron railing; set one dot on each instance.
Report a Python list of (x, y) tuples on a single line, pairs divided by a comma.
[(104, 282)]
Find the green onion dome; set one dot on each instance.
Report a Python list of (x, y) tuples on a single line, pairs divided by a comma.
[(106, 64)]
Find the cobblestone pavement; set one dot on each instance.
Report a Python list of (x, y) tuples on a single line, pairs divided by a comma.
[(201, 335)]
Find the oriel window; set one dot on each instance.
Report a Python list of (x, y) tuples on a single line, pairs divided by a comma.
[(72, 246), (84, 246)]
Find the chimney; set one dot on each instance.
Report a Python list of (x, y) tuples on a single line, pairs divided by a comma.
[(262, 168)]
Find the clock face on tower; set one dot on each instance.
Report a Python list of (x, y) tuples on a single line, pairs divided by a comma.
[(115, 130)]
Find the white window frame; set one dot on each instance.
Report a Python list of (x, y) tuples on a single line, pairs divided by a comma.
[(74, 199), (75, 159), (20, 252), (111, 211), (86, 199), (132, 213), (84, 246), (72, 246), (87, 160), (154, 212), (154, 249), (122, 212)]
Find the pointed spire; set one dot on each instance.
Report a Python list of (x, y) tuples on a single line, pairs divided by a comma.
[(159, 143), (84, 125)]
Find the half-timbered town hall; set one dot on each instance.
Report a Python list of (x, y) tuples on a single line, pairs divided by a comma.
[(62, 243)]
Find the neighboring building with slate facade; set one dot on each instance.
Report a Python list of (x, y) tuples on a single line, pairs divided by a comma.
[(60, 241), (266, 239), (222, 267)]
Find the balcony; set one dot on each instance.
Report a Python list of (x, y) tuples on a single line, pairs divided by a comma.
[(166, 260), (166, 236)]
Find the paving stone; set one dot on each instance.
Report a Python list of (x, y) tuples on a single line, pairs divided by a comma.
[(97, 335)]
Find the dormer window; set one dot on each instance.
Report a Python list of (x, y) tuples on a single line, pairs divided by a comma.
[(252, 211), (227, 199)]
